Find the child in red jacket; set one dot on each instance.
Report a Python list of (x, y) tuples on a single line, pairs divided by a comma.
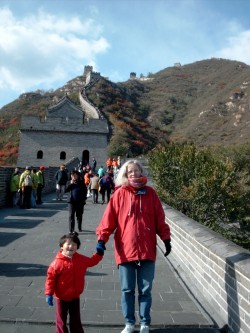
[(65, 280)]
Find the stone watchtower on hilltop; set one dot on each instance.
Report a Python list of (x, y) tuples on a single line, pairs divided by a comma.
[(89, 75), (65, 133)]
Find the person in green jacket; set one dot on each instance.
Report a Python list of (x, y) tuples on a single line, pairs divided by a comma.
[(40, 186), (14, 186)]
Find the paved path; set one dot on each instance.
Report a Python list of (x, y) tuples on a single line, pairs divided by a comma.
[(28, 243)]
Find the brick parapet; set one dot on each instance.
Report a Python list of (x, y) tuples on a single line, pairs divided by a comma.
[(31, 123), (218, 268)]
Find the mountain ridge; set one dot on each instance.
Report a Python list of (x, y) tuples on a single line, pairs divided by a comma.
[(206, 102)]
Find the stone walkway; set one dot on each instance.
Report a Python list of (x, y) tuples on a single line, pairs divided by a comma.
[(28, 243)]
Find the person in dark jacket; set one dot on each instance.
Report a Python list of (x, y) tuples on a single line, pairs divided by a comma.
[(106, 186), (93, 164), (76, 200), (61, 177)]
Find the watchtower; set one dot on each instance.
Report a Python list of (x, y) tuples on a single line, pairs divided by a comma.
[(63, 134)]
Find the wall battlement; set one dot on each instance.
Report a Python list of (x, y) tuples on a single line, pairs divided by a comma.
[(63, 124)]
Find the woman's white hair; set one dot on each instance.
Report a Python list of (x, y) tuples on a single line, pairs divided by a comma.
[(122, 178)]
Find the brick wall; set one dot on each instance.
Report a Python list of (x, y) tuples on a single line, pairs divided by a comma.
[(5, 173), (219, 270)]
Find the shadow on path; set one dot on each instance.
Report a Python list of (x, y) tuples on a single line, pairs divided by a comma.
[(7, 237), (20, 223), (22, 269)]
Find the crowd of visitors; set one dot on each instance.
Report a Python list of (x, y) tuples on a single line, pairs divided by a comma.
[(100, 181), (26, 187)]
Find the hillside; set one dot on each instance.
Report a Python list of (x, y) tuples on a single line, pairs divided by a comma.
[(206, 102)]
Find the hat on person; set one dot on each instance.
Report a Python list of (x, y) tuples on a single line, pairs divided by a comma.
[(28, 168), (42, 167)]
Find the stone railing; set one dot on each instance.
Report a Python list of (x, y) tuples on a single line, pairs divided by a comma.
[(5, 173), (216, 269)]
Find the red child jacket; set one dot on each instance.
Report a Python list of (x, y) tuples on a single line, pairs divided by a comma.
[(66, 276)]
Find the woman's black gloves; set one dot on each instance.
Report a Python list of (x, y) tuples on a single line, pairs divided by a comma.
[(168, 247), (100, 247)]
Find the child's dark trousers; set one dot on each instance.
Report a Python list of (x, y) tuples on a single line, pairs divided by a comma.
[(63, 308), (75, 209)]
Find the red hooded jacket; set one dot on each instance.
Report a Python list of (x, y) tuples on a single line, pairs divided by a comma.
[(66, 276), (136, 220)]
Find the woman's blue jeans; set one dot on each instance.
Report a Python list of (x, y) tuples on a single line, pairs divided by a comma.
[(142, 272)]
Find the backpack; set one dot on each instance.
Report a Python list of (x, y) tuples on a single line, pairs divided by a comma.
[(106, 182), (28, 180)]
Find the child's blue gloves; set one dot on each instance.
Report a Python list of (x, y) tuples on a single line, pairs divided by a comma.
[(49, 300), (100, 247)]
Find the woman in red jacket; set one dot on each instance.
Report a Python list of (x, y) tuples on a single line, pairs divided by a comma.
[(136, 216), (65, 280)]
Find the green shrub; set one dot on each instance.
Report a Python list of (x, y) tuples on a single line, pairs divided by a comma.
[(202, 185)]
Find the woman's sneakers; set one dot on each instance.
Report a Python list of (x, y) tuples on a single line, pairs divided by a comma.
[(144, 329), (131, 328), (128, 329)]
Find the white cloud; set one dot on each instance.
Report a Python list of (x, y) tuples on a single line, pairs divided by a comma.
[(6, 76), (43, 49), (238, 48)]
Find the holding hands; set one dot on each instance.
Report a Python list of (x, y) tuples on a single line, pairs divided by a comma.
[(100, 247), (49, 300)]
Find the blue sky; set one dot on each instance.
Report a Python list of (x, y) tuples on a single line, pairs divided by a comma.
[(45, 43)]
